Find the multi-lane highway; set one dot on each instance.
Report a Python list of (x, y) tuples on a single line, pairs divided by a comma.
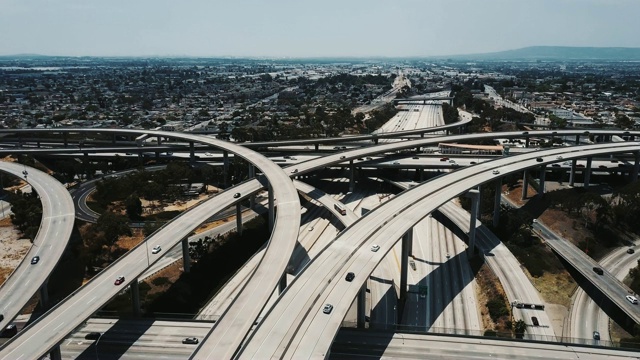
[(49, 243)]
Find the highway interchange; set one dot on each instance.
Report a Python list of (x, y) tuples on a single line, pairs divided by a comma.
[(479, 170)]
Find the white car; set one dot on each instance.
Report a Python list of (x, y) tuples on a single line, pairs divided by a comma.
[(327, 308), (632, 299), (375, 247), (156, 249)]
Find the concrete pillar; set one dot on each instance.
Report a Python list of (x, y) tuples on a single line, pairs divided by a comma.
[(587, 173), (186, 259), (157, 155), (55, 354), (422, 135), (135, 297), (375, 141), (85, 164), (496, 203), (272, 215), (316, 146), (352, 181), (113, 139), (361, 306), (38, 144), (283, 283), (252, 198), (526, 141), (572, 174), (159, 139), (192, 155), (225, 167), (140, 159), (64, 137), (577, 139), (404, 263), (636, 166), (239, 218), (421, 174), (543, 175), (474, 195), (525, 185), (44, 295)]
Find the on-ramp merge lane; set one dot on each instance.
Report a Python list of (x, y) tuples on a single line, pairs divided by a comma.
[(58, 217)]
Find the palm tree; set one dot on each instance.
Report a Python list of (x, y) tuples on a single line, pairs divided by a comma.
[(520, 328)]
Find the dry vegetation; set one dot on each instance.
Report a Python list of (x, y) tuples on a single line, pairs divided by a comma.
[(489, 288)]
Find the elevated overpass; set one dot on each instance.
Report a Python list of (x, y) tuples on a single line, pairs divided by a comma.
[(56, 225), (346, 156), (296, 327)]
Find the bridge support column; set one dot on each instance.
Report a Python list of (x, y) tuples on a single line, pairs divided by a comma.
[(55, 354), (543, 176), (526, 141), (44, 295), (135, 297), (407, 238), (636, 166), (421, 174), (316, 146), (186, 259), (252, 198), (192, 155), (577, 139), (572, 174), (159, 140), (422, 135), (113, 139), (587, 173), (375, 141), (225, 168), (140, 159), (352, 181), (496, 203), (64, 137), (38, 144), (85, 164), (272, 215), (239, 218), (474, 195), (525, 185), (361, 306), (283, 283)]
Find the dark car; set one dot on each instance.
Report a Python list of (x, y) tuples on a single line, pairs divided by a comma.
[(350, 276), (539, 159), (93, 335), (190, 340), (630, 251), (444, 159), (236, 195), (35, 259), (342, 157), (9, 331), (598, 270), (534, 320), (119, 280), (596, 335)]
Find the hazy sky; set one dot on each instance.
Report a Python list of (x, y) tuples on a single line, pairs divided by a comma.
[(298, 28)]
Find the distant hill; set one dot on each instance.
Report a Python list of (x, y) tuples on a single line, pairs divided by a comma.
[(560, 53)]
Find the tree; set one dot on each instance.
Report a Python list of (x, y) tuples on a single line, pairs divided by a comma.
[(133, 206), (113, 226), (520, 327)]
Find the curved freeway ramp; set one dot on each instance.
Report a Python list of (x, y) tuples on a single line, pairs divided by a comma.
[(231, 329), (52, 238), (296, 327)]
